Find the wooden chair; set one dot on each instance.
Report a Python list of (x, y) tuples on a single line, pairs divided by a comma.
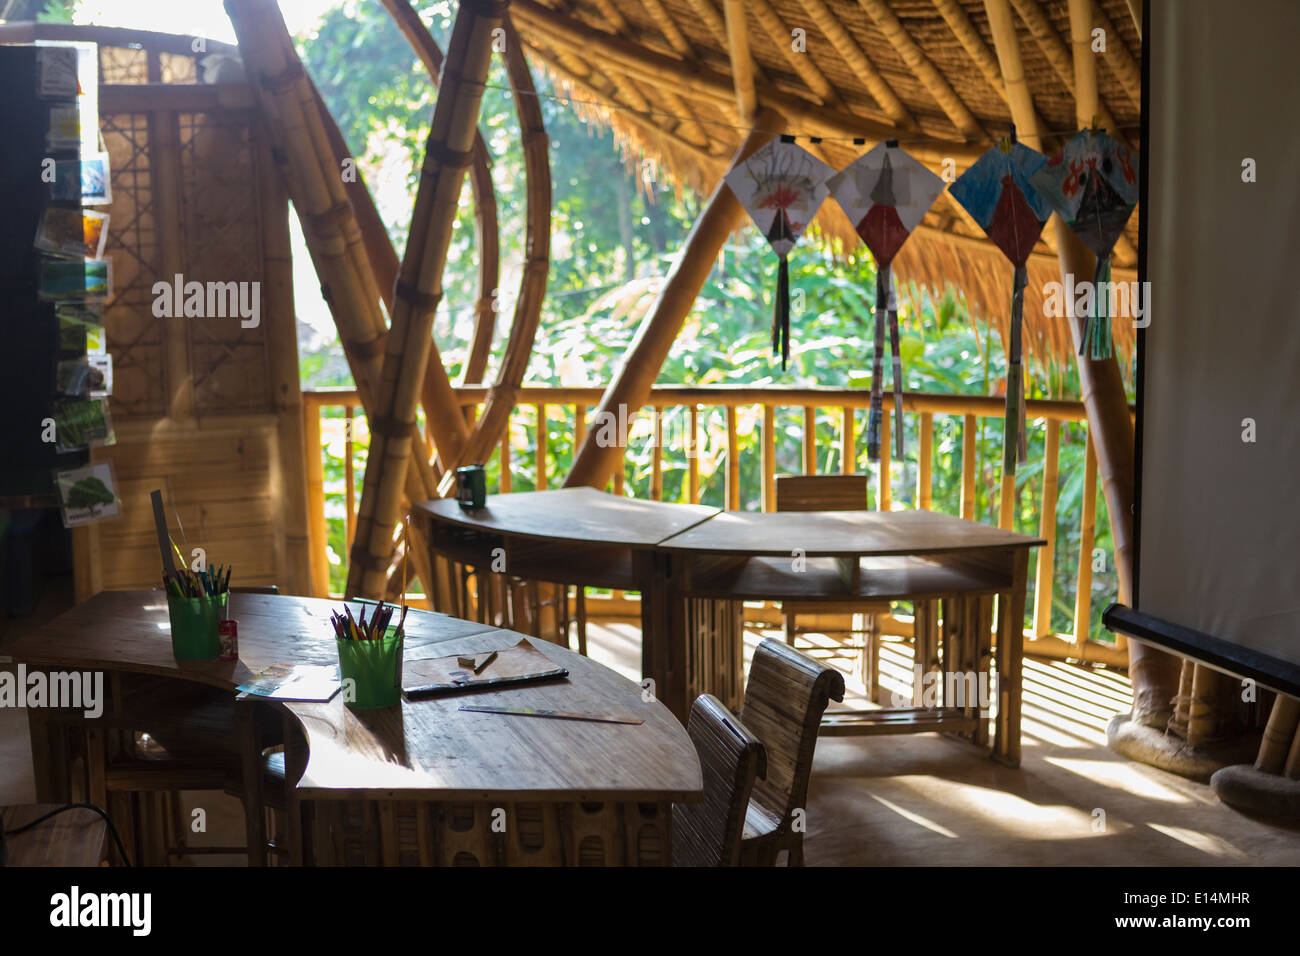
[(785, 697), (708, 833), (832, 493)]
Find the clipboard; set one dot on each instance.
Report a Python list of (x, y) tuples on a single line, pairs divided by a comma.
[(513, 666)]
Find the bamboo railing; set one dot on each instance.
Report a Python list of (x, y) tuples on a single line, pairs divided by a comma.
[(666, 400)]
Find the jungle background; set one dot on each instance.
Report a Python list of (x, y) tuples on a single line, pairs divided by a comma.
[(616, 224)]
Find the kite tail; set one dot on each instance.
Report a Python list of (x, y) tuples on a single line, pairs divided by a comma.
[(1013, 436), (1101, 339), (781, 314), (897, 357), (877, 366)]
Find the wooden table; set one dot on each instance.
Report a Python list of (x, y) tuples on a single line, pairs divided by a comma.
[(695, 565), (422, 782), (73, 838)]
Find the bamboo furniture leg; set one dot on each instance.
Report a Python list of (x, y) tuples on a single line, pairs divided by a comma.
[(1010, 662)]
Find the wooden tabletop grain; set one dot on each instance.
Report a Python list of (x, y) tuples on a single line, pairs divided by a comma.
[(574, 514), (842, 534)]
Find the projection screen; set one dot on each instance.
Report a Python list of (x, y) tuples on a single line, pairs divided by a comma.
[(1218, 521)]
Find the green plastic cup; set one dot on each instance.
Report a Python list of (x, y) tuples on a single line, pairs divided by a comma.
[(371, 671), (194, 626)]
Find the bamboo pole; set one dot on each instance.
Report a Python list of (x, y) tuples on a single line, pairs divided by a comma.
[(532, 283), (410, 342), (487, 239), (768, 462), (693, 463), (809, 440), (697, 81), (925, 462), (1154, 673), (968, 439), (1044, 578), (848, 450), (830, 24), (1135, 11), (305, 159), (742, 62), (316, 528), (593, 464), (657, 464), (504, 485), (1183, 697), (934, 81), (733, 462), (886, 494), (1279, 733), (1202, 711), (543, 444), (1087, 532)]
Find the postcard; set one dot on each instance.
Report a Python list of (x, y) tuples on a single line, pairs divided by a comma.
[(87, 494), (84, 180), (65, 127), (73, 232), (81, 328), (83, 424), (64, 280), (57, 70)]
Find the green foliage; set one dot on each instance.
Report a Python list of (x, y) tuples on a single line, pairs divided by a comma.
[(612, 239)]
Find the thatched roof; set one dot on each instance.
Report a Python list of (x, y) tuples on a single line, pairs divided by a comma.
[(924, 72)]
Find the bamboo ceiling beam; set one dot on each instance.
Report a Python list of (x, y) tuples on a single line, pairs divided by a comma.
[(695, 80), (682, 111), (419, 289), (597, 460), (852, 53), (486, 219), (495, 416), (1117, 58), (742, 61), (599, 86), (1060, 59), (983, 58), (801, 63), (1135, 11), (1087, 95), (708, 14), (934, 81)]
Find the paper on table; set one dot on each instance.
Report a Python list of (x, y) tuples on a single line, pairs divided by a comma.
[(301, 682), (522, 663)]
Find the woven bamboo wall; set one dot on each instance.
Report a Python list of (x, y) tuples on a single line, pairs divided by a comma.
[(206, 410)]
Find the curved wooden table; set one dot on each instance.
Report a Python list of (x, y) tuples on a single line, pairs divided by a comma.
[(694, 565), (435, 784)]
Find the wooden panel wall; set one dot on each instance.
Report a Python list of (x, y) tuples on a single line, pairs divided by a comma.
[(206, 410)]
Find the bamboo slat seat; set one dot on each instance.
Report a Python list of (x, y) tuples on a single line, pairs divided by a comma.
[(785, 697), (708, 833)]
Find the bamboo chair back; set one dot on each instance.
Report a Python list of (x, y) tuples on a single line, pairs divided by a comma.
[(708, 833), (785, 697), (821, 493)]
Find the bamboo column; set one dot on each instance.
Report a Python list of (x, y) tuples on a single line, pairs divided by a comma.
[(419, 288), (487, 236), (594, 463), (495, 414), (1101, 385)]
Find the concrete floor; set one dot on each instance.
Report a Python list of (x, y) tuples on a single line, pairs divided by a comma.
[(930, 800)]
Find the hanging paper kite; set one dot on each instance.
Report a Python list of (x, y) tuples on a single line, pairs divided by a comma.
[(996, 191), (885, 193), (1093, 183), (781, 186)]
